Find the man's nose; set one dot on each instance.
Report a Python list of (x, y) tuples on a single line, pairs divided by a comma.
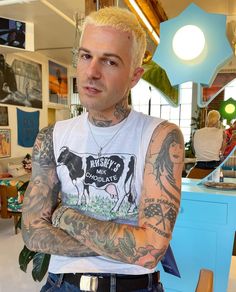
[(94, 69)]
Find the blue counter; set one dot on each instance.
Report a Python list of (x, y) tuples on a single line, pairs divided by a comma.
[(203, 237)]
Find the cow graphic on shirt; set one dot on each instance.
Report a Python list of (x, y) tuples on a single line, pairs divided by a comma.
[(111, 174)]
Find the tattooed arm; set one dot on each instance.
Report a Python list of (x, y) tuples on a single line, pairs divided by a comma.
[(41, 199), (146, 243)]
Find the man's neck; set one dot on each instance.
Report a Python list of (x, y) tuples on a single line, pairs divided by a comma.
[(106, 120)]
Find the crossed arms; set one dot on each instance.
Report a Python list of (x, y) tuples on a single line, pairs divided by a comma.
[(75, 234)]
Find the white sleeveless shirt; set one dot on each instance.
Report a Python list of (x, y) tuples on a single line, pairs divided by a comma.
[(106, 187), (207, 143)]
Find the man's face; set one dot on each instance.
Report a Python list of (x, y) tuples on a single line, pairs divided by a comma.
[(104, 74)]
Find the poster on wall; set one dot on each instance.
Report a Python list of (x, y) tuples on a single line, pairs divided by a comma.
[(4, 116), (5, 143), (21, 83), (28, 127), (12, 33), (58, 84)]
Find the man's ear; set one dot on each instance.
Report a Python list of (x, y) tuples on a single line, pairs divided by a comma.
[(138, 72)]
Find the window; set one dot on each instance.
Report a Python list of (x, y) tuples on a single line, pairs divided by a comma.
[(147, 99), (230, 90)]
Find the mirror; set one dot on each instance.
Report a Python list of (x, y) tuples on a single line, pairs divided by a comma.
[(227, 167)]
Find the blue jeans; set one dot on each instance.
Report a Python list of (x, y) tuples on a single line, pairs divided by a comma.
[(55, 283)]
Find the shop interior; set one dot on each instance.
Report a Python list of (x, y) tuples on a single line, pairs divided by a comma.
[(38, 46)]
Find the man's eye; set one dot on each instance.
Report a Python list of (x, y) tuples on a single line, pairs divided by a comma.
[(110, 62), (84, 56)]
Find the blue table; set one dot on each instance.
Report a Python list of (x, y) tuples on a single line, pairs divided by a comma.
[(203, 237)]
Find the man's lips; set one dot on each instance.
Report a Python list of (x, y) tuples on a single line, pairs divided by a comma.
[(91, 89)]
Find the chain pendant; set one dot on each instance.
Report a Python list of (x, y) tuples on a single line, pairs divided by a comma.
[(100, 152)]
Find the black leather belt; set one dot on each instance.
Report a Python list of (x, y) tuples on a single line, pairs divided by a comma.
[(124, 283)]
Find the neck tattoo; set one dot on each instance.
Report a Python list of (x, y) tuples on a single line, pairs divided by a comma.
[(101, 147)]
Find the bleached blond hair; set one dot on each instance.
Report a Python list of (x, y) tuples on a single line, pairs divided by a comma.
[(123, 20), (213, 118)]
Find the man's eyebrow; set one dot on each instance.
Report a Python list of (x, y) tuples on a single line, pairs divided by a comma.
[(83, 49), (104, 54)]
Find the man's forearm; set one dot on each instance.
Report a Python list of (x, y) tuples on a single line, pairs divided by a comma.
[(54, 241), (121, 242)]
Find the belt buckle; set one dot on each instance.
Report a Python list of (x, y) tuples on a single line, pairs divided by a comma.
[(88, 283)]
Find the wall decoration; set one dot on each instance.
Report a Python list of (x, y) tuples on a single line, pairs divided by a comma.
[(75, 89), (12, 33), (58, 84), (22, 83), (4, 116), (28, 127), (5, 143)]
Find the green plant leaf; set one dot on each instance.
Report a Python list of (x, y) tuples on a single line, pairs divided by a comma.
[(157, 77), (40, 266), (25, 257)]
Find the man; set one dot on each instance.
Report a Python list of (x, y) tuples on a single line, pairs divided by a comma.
[(118, 172), (231, 138)]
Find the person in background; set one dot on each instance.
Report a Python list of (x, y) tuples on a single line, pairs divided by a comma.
[(209, 144), (118, 172), (230, 138)]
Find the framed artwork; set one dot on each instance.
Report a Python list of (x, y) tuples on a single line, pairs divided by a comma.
[(58, 84), (12, 33), (4, 116), (22, 83), (5, 143), (75, 89)]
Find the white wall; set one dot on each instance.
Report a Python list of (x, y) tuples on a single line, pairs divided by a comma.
[(62, 111)]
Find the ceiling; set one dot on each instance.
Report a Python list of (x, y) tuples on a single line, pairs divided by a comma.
[(54, 23)]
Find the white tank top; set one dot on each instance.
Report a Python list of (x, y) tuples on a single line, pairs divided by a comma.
[(106, 187), (207, 144)]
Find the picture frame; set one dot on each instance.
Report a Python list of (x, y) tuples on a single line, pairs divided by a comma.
[(5, 143), (4, 116), (23, 82), (58, 83)]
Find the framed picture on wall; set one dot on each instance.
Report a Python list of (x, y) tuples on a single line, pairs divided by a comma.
[(5, 143), (4, 116), (12, 33), (22, 83), (58, 84), (75, 89)]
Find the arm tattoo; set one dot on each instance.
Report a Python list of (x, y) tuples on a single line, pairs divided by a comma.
[(41, 199), (113, 240)]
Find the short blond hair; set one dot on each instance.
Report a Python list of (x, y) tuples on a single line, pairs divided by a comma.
[(123, 20), (213, 118)]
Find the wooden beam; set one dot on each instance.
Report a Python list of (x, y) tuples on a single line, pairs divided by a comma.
[(154, 13)]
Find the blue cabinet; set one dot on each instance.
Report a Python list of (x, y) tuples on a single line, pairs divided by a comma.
[(203, 237)]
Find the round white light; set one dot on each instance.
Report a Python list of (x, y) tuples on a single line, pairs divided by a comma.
[(188, 42)]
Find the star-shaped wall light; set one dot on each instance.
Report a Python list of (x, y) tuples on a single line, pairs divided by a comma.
[(228, 109), (193, 47)]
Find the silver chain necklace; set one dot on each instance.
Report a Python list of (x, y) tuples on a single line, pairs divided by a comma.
[(103, 146)]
